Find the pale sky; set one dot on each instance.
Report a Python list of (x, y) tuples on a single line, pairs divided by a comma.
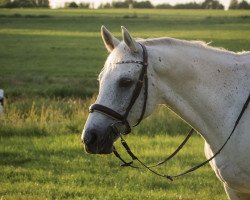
[(96, 3)]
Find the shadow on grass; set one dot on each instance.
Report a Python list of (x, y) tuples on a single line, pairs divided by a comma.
[(226, 19), (10, 131), (17, 15), (14, 159)]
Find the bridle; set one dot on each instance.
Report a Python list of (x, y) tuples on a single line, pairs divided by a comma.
[(122, 119)]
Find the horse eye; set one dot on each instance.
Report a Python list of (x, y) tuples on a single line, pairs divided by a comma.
[(125, 82)]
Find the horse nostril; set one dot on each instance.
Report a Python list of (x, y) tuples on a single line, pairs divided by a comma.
[(90, 139)]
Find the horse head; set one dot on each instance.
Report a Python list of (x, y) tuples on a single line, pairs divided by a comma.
[(123, 93)]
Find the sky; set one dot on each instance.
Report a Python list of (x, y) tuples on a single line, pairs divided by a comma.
[(96, 3)]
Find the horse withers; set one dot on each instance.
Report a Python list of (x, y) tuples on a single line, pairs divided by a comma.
[(205, 86)]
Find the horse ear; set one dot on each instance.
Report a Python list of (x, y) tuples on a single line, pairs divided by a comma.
[(130, 42), (109, 40)]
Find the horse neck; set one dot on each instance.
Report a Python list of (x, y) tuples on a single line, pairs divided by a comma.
[(202, 86)]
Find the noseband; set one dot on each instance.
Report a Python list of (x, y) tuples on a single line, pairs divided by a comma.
[(122, 118)]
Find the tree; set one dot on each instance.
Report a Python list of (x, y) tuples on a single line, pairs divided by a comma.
[(233, 4), (42, 3), (212, 4), (243, 5), (164, 6), (71, 5), (84, 5), (4, 2), (24, 3), (130, 3), (21, 4), (191, 5), (142, 4), (120, 4), (106, 5)]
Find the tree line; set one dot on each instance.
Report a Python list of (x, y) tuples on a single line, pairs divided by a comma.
[(207, 4), (234, 4), (24, 4)]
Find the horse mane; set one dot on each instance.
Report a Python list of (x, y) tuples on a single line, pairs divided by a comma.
[(193, 43), (172, 41)]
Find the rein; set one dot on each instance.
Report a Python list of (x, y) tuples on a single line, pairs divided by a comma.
[(122, 119), (171, 177)]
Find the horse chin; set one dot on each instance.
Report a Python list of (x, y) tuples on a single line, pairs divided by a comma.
[(106, 150), (104, 144)]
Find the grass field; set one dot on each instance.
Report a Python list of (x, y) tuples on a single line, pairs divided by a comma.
[(49, 62)]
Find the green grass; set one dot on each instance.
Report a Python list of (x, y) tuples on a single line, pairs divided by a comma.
[(49, 62), (41, 55), (55, 167)]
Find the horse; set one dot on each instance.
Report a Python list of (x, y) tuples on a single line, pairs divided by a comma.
[(206, 86)]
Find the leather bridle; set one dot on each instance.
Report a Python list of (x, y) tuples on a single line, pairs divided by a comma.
[(122, 119)]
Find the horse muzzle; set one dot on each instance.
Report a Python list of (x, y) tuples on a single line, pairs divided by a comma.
[(99, 141)]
